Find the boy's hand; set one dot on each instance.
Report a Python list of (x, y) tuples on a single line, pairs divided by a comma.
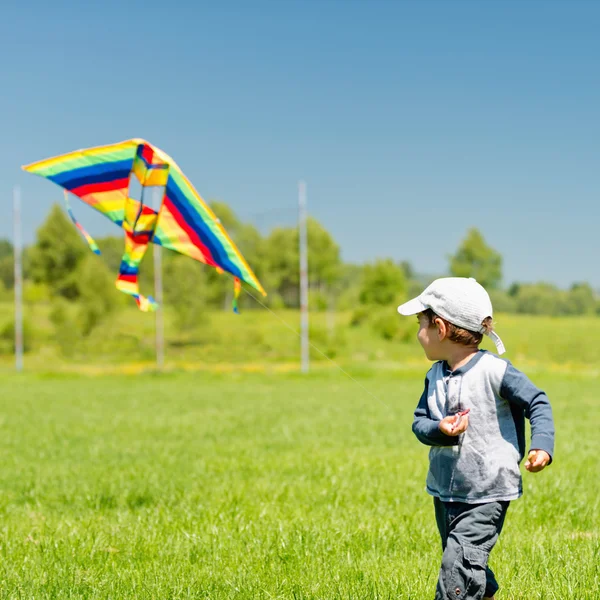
[(537, 460), (454, 425)]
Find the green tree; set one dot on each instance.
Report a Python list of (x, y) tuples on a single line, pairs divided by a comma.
[(112, 248), (7, 272), (7, 336), (474, 258), (66, 330), (185, 284), (281, 261), (6, 248), (408, 269), (226, 215), (539, 299), (384, 283), (7, 266), (57, 252), (581, 300), (98, 297), (282, 258), (219, 288), (347, 286), (502, 301)]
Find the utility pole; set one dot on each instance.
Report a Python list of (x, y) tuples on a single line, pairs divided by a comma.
[(304, 342), (158, 293), (18, 249)]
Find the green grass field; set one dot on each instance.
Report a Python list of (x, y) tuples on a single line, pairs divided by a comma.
[(250, 486)]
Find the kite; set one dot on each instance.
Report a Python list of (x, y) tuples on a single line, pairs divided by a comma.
[(116, 181)]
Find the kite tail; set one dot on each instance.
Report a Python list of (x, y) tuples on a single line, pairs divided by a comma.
[(127, 281), (86, 236), (237, 288), (128, 284)]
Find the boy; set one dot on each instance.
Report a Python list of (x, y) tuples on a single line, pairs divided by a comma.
[(472, 414)]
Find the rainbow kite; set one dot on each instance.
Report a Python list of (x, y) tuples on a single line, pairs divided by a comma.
[(116, 180)]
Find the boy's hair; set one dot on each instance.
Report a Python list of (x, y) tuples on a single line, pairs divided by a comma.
[(457, 334)]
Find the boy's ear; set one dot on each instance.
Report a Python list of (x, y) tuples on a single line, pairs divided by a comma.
[(442, 329)]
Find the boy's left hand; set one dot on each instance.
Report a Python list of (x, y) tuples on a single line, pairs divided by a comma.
[(537, 460)]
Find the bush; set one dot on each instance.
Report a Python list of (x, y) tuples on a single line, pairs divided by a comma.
[(540, 299), (5, 294), (98, 296), (383, 283), (319, 301), (390, 326), (386, 326), (326, 344), (66, 332), (360, 316), (274, 301), (7, 337), (386, 323), (348, 299), (186, 292), (502, 302), (35, 293)]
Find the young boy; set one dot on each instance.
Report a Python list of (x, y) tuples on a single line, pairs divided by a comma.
[(472, 414)]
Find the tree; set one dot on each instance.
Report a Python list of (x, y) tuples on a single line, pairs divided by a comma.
[(547, 299), (581, 299), (281, 261), (347, 286), (218, 289), (66, 332), (502, 301), (384, 283), (6, 249), (539, 299), (112, 248), (226, 216), (98, 296), (408, 269), (474, 258), (57, 252), (186, 290), (7, 267)]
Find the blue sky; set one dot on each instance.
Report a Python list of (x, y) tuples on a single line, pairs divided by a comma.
[(410, 121)]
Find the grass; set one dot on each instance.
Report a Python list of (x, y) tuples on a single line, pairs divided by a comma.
[(249, 486)]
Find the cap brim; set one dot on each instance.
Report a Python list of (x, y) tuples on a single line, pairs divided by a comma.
[(412, 307)]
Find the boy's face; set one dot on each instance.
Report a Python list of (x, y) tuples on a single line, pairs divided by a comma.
[(431, 338)]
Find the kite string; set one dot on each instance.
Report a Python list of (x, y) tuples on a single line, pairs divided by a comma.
[(293, 330)]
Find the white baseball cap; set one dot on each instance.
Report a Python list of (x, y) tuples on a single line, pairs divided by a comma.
[(460, 301)]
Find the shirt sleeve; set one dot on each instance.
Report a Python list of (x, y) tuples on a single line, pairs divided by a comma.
[(427, 429), (519, 390)]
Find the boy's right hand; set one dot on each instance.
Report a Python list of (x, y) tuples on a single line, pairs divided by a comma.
[(454, 425)]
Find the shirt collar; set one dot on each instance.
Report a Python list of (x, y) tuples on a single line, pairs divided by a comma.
[(466, 367)]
